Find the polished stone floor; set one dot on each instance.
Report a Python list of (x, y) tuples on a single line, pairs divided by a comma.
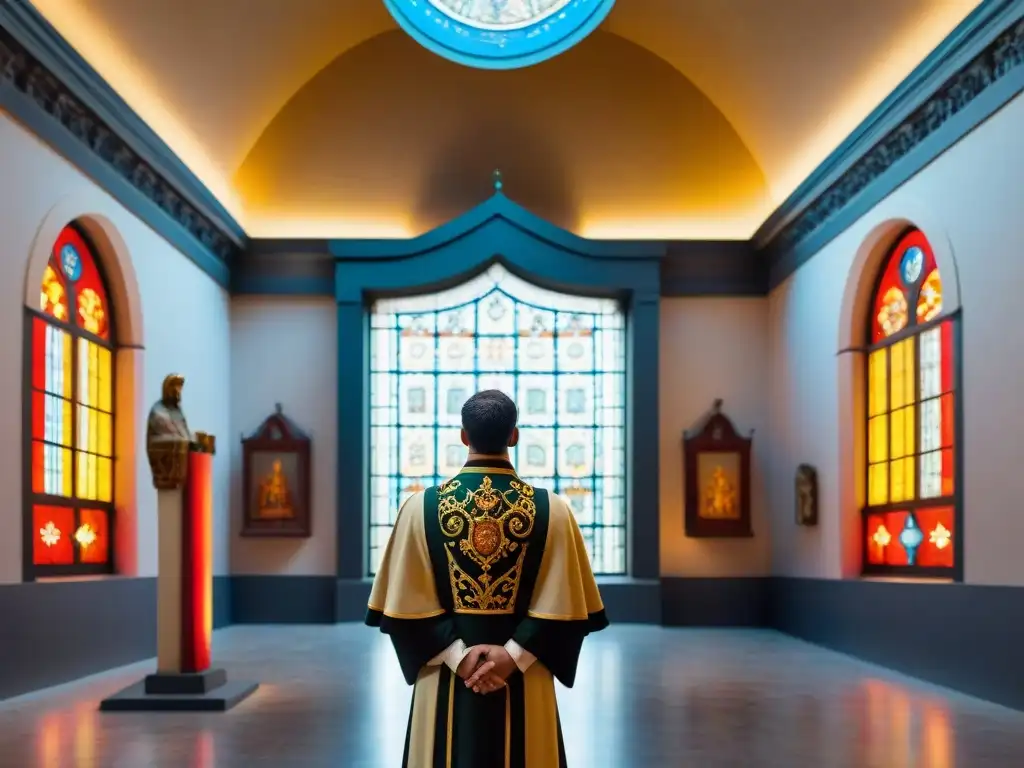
[(647, 697)]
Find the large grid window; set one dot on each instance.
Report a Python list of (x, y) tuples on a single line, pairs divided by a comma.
[(560, 357), (70, 429), (910, 518)]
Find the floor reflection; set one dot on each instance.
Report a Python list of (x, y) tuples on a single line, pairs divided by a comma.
[(646, 697)]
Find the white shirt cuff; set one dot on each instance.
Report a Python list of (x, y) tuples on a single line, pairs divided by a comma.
[(452, 656), (522, 657)]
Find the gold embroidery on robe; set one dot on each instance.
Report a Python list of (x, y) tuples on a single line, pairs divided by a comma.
[(487, 528)]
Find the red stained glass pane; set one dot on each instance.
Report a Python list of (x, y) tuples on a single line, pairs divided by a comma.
[(948, 483), (883, 538), (947, 356), (948, 423), (936, 549), (93, 536), (78, 264), (52, 535)]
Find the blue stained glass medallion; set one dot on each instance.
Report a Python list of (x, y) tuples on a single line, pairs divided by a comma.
[(911, 265), (71, 262), (498, 34), (911, 537)]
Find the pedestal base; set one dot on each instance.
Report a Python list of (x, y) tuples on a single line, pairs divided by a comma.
[(207, 691)]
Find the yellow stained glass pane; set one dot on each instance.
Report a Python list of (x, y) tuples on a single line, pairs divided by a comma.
[(81, 482), (65, 341), (94, 372), (65, 435), (66, 473), (878, 484), (901, 479), (897, 433), (94, 431), (901, 374), (878, 383), (104, 438), (86, 476), (909, 434), (104, 480), (105, 381), (896, 481), (878, 439)]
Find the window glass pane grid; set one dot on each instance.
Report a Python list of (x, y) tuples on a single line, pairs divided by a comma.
[(564, 367)]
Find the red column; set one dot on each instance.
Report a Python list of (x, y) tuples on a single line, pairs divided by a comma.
[(197, 564)]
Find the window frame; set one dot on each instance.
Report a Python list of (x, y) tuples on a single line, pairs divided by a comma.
[(31, 499), (623, 313), (914, 331)]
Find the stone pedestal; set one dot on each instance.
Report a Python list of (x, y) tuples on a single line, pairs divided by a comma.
[(184, 679)]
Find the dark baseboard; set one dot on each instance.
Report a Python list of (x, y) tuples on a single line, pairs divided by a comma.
[(352, 597), (283, 599), (221, 601), (962, 636), (716, 602), (41, 636), (53, 632), (631, 601)]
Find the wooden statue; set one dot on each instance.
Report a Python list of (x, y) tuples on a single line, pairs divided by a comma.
[(168, 438), (806, 487), (716, 463)]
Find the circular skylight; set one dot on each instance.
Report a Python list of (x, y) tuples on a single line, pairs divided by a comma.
[(499, 34)]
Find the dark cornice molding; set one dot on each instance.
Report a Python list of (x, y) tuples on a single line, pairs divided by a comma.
[(307, 267), (932, 109), (49, 87)]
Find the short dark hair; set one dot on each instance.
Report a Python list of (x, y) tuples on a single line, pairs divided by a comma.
[(489, 418)]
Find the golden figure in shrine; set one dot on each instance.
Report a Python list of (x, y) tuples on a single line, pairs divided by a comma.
[(275, 499), (719, 496)]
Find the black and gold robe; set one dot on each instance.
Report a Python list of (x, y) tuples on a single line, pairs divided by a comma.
[(485, 558)]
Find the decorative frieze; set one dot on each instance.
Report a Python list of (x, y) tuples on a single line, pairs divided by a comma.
[(18, 68), (1004, 54)]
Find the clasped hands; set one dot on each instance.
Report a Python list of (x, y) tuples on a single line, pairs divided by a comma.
[(486, 668)]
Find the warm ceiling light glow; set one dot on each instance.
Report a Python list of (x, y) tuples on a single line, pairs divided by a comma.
[(909, 48), (328, 228), (108, 56), (739, 227)]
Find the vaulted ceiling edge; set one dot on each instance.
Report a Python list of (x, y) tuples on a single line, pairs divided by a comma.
[(984, 49), (36, 62), (49, 88)]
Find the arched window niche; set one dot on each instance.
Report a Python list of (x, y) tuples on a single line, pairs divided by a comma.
[(561, 357), (911, 518), (496, 250), (70, 410)]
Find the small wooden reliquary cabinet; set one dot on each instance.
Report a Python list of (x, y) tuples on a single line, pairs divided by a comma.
[(716, 465), (276, 479)]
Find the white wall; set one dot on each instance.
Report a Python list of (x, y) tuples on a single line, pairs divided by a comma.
[(968, 202), (174, 310), (285, 351), (711, 348)]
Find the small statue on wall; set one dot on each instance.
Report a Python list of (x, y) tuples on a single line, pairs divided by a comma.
[(806, 486)]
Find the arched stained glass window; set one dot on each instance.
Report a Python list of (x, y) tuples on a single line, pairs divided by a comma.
[(910, 519), (70, 435), (560, 357)]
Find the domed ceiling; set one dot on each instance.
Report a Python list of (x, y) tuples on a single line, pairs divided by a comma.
[(668, 119)]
